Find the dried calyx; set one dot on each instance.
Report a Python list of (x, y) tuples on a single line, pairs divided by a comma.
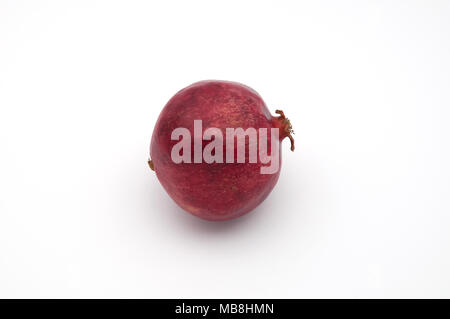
[(287, 126)]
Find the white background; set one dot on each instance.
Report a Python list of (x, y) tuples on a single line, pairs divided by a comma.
[(361, 208)]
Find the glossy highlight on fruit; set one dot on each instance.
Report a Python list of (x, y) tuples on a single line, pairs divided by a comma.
[(219, 190)]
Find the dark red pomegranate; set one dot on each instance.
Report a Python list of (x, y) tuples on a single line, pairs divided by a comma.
[(217, 190)]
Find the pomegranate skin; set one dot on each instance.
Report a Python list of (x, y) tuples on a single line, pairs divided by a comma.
[(216, 191)]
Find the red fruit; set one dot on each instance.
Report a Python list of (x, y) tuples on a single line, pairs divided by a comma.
[(216, 191)]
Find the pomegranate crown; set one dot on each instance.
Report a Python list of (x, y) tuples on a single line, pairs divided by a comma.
[(287, 126)]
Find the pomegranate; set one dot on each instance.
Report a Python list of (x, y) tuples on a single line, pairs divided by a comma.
[(196, 159)]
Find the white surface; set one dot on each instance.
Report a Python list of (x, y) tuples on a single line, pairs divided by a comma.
[(362, 206)]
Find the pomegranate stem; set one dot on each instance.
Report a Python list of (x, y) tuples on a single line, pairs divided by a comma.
[(150, 164)]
